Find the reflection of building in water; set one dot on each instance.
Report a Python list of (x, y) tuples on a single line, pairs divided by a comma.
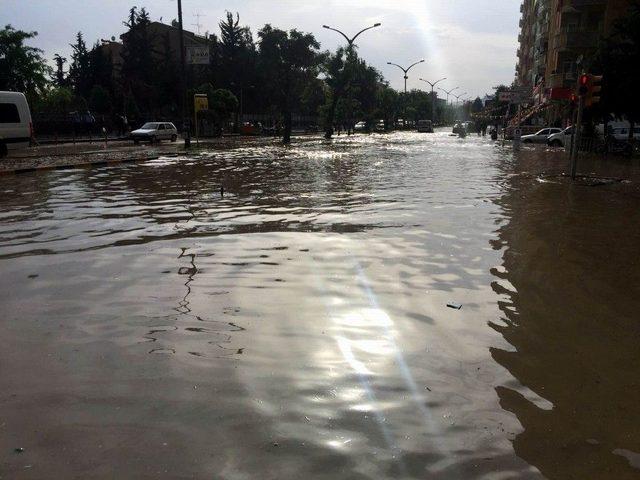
[(571, 313)]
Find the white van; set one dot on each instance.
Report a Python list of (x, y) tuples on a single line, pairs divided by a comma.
[(16, 128)]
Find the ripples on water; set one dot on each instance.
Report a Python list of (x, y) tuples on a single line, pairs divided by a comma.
[(296, 325)]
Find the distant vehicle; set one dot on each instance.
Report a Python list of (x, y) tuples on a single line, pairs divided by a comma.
[(560, 139), (380, 126), (154, 132), (425, 126), (312, 128), (622, 134), (16, 128), (249, 128), (360, 126), (458, 127), (540, 136)]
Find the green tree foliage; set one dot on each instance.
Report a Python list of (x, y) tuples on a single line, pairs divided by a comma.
[(138, 66), (79, 72), (22, 67), (100, 100), (59, 78), (388, 102), (290, 60)]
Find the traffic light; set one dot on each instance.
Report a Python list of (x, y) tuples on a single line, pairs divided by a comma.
[(583, 83), (595, 86), (589, 87)]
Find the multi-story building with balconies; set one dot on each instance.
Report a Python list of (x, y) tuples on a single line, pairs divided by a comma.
[(555, 35)]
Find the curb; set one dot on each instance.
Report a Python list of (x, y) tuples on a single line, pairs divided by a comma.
[(66, 166)]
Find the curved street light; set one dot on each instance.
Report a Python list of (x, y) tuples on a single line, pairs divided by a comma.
[(448, 92), (352, 39), (433, 98), (406, 71), (458, 97), (350, 42)]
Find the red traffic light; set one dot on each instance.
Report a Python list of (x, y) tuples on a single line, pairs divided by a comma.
[(584, 80)]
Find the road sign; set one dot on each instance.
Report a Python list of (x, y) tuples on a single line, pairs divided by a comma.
[(200, 102), (198, 55)]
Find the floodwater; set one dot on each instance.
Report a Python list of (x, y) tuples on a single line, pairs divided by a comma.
[(297, 327)]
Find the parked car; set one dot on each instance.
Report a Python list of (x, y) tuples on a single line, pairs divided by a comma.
[(540, 136), (622, 134), (360, 126), (380, 126), (16, 128), (425, 126), (560, 139), (154, 132), (458, 128)]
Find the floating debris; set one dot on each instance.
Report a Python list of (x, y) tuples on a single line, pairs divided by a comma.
[(456, 306)]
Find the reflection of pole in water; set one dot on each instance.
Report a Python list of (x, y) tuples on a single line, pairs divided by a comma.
[(183, 305)]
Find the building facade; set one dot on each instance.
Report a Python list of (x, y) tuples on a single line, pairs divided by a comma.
[(555, 35)]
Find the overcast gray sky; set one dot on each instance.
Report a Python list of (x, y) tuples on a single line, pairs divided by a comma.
[(471, 42)]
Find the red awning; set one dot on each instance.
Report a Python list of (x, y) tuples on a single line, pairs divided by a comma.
[(561, 93)]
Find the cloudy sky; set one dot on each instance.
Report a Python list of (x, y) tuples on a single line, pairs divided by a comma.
[(471, 42)]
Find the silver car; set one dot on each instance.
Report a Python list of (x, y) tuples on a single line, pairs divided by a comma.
[(540, 136), (154, 132)]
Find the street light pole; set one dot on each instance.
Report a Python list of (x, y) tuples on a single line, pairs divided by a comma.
[(406, 71), (350, 42), (433, 98), (352, 39), (448, 92), (406, 77), (186, 129)]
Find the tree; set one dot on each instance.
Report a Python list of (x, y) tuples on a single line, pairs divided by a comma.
[(59, 78), (139, 70), (237, 56), (22, 68), (100, 100), (290, 60), (79, 72)]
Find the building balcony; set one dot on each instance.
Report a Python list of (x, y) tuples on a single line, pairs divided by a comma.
[(562, 80), (583, 40)]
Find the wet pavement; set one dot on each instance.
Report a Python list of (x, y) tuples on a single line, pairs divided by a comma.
[(297, 326)]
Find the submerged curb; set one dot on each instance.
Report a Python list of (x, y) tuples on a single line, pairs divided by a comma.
[(82, 162)]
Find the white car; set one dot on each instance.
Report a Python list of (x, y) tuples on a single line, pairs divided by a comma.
[(360, 126), (16, 128), (540, 136), (154, 132), (622, 134), (560, 139)]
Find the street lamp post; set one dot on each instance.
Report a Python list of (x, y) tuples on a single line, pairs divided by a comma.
[(186, 129), (406, 71), (406, 77), (352, 39), (448, 92), (433, 98), (350, 42)]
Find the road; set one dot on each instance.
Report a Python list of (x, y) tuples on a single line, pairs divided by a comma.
[(296, 324)]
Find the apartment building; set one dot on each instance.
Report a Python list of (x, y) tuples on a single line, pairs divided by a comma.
[(554, 35)]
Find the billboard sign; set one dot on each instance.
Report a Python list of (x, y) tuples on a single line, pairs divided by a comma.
[(197, 55)]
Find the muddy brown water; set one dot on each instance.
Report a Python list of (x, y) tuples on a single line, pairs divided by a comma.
[(298, 327)]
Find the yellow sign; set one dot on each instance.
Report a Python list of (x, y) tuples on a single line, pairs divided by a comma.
[(200, 102)]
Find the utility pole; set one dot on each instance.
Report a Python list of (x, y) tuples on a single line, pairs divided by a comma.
[(186, 129), (433, 98)]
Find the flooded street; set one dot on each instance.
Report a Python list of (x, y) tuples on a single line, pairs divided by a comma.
[(297, 326)]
